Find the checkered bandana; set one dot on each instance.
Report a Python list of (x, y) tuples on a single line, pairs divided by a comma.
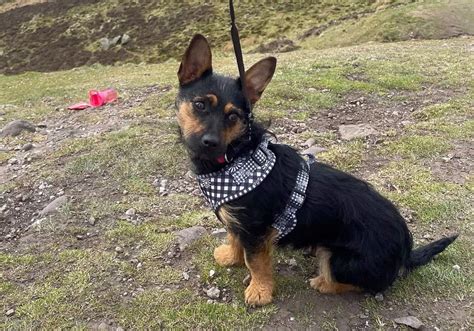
[(246, 173), (237, 178)]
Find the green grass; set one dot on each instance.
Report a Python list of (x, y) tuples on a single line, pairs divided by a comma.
[(417, 146), (412, 186)]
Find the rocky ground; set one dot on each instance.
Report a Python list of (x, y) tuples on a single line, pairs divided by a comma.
[(102, 225)]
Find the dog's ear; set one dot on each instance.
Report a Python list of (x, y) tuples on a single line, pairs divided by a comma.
[(196, 60), (258, 77)]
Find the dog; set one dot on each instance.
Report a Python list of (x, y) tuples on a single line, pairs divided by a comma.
[(360, 238)]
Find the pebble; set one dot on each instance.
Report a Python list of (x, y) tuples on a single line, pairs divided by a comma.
[(130, 212), (292, 263), (310, 142), (379, 297), (212, 273), (213, 293), (27, 147), (456, 267), (10, 312), (119, 249), (185, 276)]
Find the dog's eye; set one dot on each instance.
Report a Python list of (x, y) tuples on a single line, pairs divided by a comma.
[(233, 117), (199, 105)]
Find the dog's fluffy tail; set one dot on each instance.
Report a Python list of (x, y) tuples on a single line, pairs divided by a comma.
[(424, 254)]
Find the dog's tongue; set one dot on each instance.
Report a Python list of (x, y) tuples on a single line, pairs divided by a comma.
[(221, 159)]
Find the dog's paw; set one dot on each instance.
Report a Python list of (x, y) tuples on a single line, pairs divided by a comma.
[(226, 256), (258, 294), (323, 286), (318, 283)]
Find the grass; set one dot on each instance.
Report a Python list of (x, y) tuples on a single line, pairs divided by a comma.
[(55, 280)]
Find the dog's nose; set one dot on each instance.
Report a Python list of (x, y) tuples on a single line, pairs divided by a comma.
[(209, 140)]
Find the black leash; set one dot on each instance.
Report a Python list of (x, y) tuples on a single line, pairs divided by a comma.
[(234, 32)]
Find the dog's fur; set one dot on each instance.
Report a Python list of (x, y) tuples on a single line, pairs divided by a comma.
[(360, 238)]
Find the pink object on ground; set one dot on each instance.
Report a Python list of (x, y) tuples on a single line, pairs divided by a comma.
[(100, 98), (79, 106)]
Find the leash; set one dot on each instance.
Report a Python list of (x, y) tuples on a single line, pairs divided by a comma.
[(234, 32)]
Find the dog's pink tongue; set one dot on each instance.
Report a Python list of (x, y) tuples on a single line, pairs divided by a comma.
[(221, 159)]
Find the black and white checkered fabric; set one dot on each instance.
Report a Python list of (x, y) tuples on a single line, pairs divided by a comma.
[(237, 178), (244, 174), (286, 221)]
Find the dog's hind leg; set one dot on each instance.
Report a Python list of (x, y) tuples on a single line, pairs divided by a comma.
[(230, 254), (259, 262), (325, 282)]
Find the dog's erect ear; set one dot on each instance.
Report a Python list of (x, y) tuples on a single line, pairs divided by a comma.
[(258, 77), (196, 60)]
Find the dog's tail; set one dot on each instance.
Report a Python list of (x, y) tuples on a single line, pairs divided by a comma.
[(424, 254)]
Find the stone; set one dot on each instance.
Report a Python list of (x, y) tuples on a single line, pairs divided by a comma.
[(53, 206), (410, 321), (27, 147), (353, 131), (10, 312), (212, 273), (119, 249), (14, 128), (213, 293), (187, 236), (314, 150), (115, 40), (456, 267), (130, 212), (292, 263), (125, 39), (104, 43), (185, 275), (219, 233), (379, 297)]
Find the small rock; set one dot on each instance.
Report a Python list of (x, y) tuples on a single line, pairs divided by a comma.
[(14, 128), (456, 267), (139, 265), (213, 293), (12, 161), (311, 89), (189, 235), (10, 312), (310, 142), (314, 150), (353, 131), (53, 206), (104, 43), (92, 220), (79, 237), (119, 249), (119, 329), (3, 208), (130, 212), (212, 273), (115, 40), (410, 321), (362, 316), (125, 39), (292, 319), (185, 276), (27, 147), (379, 297), (219, 233), (292, 263)]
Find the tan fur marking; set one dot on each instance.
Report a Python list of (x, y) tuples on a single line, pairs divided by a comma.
[(260, 290), (236, 130), (230, 254), (227, 215), (212, 99), (325, 283), (187, 121)]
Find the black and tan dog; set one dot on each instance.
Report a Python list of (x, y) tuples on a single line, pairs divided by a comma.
[(361, 239)]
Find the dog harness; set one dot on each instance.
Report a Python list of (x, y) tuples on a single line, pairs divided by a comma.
[(244, 174)]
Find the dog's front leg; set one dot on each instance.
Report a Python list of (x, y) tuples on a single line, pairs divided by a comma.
[(230, 254), (259, 261)]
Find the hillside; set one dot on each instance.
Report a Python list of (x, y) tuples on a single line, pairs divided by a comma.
[(57, 35), (93, 203)]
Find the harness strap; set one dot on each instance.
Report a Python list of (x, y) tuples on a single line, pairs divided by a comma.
[(286, 221)]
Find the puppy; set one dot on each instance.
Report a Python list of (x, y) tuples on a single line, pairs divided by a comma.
[(266, 193)]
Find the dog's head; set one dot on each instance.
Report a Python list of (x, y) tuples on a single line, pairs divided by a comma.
[(210, 107)]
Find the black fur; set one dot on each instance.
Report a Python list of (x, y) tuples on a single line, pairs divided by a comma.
[(368, 239)]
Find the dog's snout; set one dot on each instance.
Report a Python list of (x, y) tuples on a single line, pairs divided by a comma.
[(210, 141)]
